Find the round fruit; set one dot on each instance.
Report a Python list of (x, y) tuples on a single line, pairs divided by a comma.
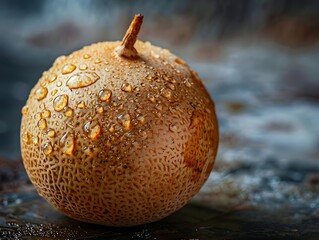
[(119, 135)]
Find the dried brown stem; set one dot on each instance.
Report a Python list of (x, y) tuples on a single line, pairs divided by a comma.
[(126, 49)]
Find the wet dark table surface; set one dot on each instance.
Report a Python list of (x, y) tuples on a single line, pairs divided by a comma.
[(265, 183)]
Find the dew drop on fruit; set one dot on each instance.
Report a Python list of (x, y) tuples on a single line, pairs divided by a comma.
[(99, 109), (172, 128), (82, 79), (42, 124), (51, 133), (68, 68), (125, 120), (45, 113), (26, 137), (53, 92), (171, 86), (47, 148), (151, 97), (60, 102), (81, 105), (142, 134), (92, 129), (105, 95), (24, 110), (187, 83), (167, 93), (141, 119), (83, 67), (68, 112), (52, 77), (126, 87), (59, 84), (67, 143), (41, 93), (86, 56)]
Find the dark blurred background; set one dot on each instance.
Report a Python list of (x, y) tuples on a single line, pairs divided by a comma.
[(35, 32)]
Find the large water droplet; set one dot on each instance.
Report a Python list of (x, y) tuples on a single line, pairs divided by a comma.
[(60, 102), (52, 77), (126, 87), (25, 110), (105, 95), (42, 124), (125, 120), (68, 68), (187, 82), (81, 105), (172, 128), (41, 93), (92, 129), (67, 143), (47, 148), (82, 79)]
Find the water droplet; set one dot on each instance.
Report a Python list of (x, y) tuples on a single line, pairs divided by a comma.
[(35, 139), (26, 137), (171, 86), (82, 79), (68, 112), (111, 129), (53, 92), (67, 143), (151, 97), (60, 102), (92, 130), (68, 68), (172, 128), (81, 105), (99, 109), (59, 84), (126, 87), (42, 124), (25, 110), (45, 113), (180, 61), (142, 133), (52, 77), (86, 56), (51, 133), (141, 119), (187, 83), (125, 120), (41, 93), (37, 116), (167, 93), (47, 148), (98, 60), (105, 95), (83, 67)]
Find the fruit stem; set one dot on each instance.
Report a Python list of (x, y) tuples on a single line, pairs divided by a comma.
[(126, 49)]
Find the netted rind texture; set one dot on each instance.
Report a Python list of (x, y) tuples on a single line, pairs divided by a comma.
[(118, 141)]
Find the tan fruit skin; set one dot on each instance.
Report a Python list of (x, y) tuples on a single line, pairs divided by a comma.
[(129, 170)]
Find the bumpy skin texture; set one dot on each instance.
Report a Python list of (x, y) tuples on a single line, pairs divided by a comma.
[(118, 141)]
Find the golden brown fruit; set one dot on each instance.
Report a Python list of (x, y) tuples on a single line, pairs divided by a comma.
[(117, 137)]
